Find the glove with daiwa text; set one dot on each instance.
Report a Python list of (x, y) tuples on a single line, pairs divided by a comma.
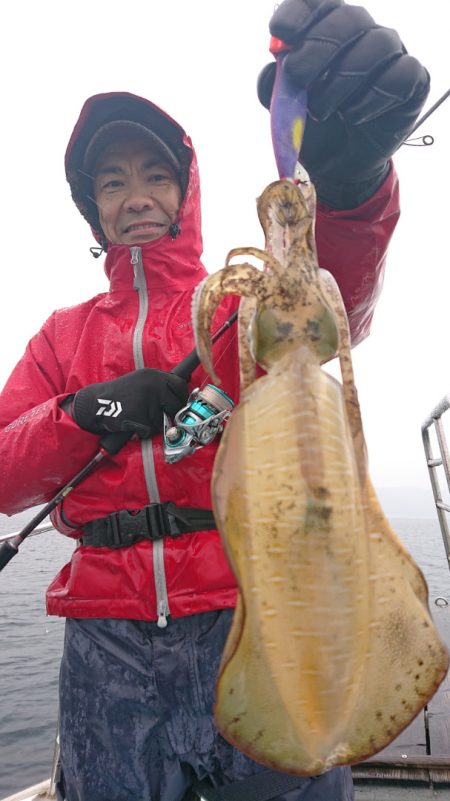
[(364, 94), (133, 403)]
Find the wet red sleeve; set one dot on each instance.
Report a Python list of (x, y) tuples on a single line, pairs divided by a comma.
[(352, 245), (41, 447)]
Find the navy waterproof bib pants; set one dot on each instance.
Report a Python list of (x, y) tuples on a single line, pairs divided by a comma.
[(136, 707)]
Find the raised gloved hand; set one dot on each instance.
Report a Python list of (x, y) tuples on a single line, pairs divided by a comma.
[(364, 94), (135, 402)]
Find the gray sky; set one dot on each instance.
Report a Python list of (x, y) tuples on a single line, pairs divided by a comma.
[(199, 60)]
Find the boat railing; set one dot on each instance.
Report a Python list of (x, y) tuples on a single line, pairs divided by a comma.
[(43, 527), (436, 460)]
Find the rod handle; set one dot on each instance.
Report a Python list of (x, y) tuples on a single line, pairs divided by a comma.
[(112, 443), (7, 551)]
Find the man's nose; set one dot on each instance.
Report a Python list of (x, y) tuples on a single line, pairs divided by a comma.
[(139, 198)]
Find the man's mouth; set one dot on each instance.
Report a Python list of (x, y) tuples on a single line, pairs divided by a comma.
[(143, 226)]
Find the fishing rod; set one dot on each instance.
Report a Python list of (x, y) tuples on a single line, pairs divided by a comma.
[(110, 444), (431, 110), (427, 139)]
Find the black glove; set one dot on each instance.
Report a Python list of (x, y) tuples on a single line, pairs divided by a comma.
[(364, 94), (135, 402)]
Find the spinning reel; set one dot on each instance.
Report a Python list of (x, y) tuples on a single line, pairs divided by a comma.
[(197, 424)]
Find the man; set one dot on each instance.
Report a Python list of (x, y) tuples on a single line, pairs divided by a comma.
[(148, 594)]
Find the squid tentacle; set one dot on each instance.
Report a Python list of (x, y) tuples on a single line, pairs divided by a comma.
[(241, 279), (267, 258), (247, 363), (333, 297)]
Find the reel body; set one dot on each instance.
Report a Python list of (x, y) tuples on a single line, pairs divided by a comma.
[(196, 424)]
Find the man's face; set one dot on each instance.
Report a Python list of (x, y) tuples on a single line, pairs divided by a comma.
[(137, 192)]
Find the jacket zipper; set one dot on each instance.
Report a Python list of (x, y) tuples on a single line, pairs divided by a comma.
[(140, 284)]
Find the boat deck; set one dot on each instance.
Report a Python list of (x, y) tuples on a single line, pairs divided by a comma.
[(417, 763)]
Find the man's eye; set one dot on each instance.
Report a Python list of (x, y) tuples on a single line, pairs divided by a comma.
[(158, 177), (114, 183)]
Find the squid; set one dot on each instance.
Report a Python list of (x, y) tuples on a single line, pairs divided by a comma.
[(332, 650)]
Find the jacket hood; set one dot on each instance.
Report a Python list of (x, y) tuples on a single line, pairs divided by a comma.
[(103, 109)]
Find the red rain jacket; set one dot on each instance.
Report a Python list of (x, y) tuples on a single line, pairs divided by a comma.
[(144, 320)]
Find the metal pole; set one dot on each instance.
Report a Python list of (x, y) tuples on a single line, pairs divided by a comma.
[(433, 463)]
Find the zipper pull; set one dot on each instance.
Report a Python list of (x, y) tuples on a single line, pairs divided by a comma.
[(135, 261), (162, 615)]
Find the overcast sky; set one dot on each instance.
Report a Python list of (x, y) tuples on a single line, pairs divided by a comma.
[(199, 60)]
